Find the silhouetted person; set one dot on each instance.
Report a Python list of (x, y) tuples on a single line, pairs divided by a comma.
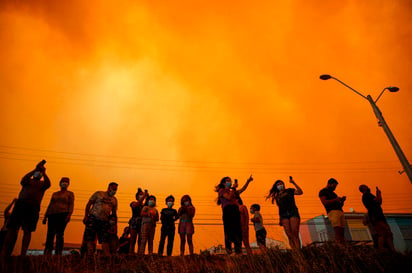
[(168, 216), (289, 216), (3, 232), (124, 241), (113, 238), (101, 205), (26, 209), (57, 215), (260, 230), (333, 205), (227, 198), (244, 214), (135, 223), (186, 228), (373, 204)]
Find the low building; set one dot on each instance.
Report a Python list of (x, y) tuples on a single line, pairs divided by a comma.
[(319, 229)]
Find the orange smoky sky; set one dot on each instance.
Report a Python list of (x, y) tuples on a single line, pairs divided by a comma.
[(172, 96)]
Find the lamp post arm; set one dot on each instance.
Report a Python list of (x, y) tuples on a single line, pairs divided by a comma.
[(380, 95), (402, 158), (350, 88)]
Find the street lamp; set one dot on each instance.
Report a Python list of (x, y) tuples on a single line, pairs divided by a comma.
[(402, 158)]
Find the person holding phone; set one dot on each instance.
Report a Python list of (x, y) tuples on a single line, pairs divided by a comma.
[(289, 216), (26, 210), (375, 214), (333, 205)]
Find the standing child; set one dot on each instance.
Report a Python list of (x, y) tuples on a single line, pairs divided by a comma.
[(186, 229), (150, 216), (112, 232), (260, 230), (168, 216)]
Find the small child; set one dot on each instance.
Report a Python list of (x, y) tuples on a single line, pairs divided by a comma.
[(150, 216), (257, 221), (124, 241), (113, 239), (168, 216), (186, 229)]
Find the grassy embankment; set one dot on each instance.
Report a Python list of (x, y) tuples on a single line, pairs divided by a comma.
[(327, 258)]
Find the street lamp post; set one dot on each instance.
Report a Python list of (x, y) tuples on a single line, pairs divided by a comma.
[(402, 158)]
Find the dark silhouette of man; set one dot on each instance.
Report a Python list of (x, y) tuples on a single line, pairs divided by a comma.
[(26, 209)]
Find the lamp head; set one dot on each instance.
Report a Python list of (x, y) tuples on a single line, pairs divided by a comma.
[(325, 77), (392, 88)]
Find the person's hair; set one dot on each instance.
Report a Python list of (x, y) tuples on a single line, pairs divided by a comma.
[(148, 198), (332, 181), (170, 197), (219, 186), (274, 191), (66, 179), (256, 207), (186, 196), (113, 183), (361, 187)]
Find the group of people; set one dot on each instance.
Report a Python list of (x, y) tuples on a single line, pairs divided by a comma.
[(100, 217), (235, 214), (101, 223), (333, 204)]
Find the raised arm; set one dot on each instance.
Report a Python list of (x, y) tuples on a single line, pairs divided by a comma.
[(47, 183), (26, 179), (250, 179), (299, 190), (378, 198)]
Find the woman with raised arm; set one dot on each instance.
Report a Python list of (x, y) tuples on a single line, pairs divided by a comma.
[(288, 211), (227, 198)]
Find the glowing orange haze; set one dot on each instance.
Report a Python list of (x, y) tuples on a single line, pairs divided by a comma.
[(172, 97)]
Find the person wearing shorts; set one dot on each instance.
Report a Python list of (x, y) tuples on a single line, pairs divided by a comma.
[(378, 220), (26, 209), (186, 228), (101, 205), (333, 205), (57, 216), (289, 216)]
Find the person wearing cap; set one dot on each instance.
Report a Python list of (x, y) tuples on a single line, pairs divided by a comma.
[(376, 217), (101, 205), (333, 205), (57, 216), (26, 210)]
